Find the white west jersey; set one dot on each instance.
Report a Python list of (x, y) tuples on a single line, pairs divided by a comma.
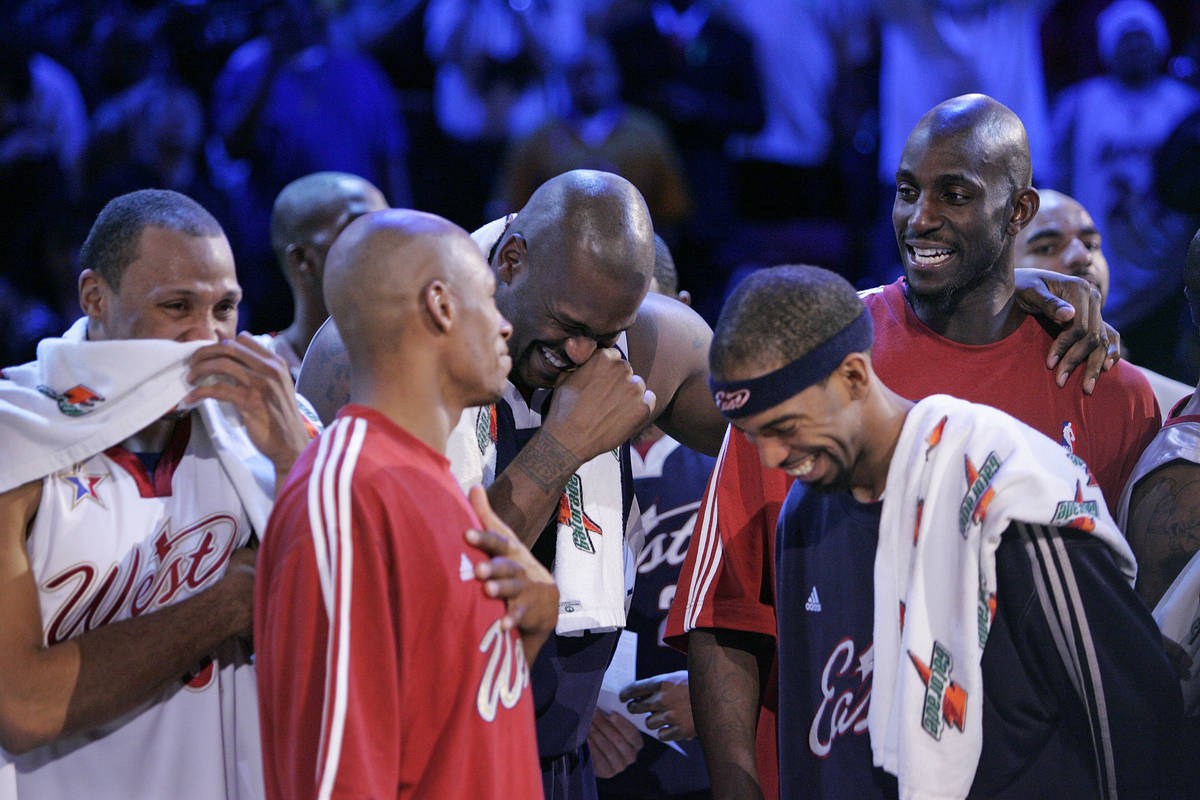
[(112, 541)]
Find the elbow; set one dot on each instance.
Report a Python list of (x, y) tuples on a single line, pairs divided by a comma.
[(23, 729), (18, 737)]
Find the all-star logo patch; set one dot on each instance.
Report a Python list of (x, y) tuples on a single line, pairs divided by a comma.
[(74, 402), (570, 512), (979, 491), (83, 485), (1076, 513), (945, 701)]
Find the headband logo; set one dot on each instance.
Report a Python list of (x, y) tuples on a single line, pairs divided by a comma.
[(731, 401)]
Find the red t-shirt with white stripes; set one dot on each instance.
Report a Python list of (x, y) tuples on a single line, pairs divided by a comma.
[(382, 668)]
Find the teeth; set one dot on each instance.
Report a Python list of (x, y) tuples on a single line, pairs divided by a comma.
[(928, 257), (804, 467), (554, 360)]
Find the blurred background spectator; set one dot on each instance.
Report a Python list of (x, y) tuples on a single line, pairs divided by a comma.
[(760, 131)]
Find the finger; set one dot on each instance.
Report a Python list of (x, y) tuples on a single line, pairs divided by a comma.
[(498, 567), (671, 733), (504, 588), (640, 688), (645, 705), (630, 736), (1096, 358), (658, 720), (1114, 347), (489, 542)]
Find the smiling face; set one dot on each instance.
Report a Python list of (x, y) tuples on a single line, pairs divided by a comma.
[(561, 315), (179, 287), (814, 436), (478, 359), (1063, 238), (952, 211)]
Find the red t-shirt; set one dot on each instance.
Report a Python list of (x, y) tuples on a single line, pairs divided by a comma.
[(727, 580), (413, 690)]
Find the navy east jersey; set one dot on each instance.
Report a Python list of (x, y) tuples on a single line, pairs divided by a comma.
[(669, 481)]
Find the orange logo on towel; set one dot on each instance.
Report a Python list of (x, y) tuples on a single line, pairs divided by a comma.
[(570, 512), (945, 700), (74, 402)]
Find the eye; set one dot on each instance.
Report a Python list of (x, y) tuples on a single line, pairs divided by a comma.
[(956, 198), (1093, 246), (1043, 250), (906, 193), (175, 306), (225, 308)]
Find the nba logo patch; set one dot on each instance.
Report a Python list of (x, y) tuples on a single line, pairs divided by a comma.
[(1068, 437)]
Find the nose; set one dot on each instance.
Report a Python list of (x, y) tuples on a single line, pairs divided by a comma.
[(202, 328), (579, 348), (771, 452), (1076, 255), (923, 217), (505, 327)]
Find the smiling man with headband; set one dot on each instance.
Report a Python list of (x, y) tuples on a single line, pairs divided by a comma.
[(976, 529)]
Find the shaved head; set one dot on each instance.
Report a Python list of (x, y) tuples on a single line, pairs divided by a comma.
[(593, 217), (312, 210), (377, 269), (988, 128)]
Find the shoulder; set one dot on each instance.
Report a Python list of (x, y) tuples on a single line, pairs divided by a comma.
[(1124, 383), (665, 329)]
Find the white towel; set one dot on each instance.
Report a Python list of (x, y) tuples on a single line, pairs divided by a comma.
[(595, 556), (960, 474), (1178, 617), (81, 397)]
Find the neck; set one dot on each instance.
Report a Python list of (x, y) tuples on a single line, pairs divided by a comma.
[(882, 420), (981, 313), (425, 412), (154, 437), (310, 315)]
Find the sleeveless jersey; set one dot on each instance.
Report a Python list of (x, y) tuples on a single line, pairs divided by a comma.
[(111, 541)]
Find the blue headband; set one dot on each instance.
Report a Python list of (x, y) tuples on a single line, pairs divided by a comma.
[(745, 398)]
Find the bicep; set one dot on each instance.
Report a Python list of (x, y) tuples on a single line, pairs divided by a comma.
[(21, 629), (1164, 526), (325, 373)]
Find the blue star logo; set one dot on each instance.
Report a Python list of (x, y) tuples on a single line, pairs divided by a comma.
[(83, 485)]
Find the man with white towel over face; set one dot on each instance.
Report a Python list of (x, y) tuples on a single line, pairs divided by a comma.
[(1011, 656), (142, 452)]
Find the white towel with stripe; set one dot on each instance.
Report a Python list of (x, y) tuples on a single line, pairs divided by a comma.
[(961, 473), (81, 397)]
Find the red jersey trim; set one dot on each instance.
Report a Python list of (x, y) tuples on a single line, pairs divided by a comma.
[(158, 484)]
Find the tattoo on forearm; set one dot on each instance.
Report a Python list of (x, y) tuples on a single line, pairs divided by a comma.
[(547, 462), (1164, 531)]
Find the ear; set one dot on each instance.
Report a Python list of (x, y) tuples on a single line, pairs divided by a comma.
[(855, 372), (300, 262), (439, 305), (1026, 203), (93, 294), (684, 297), (511, 258)]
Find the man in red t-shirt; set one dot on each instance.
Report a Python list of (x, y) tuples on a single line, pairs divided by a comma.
[(388, 664), (951, 326)]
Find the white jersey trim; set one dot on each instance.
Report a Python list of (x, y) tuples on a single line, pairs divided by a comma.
[(329, 516), (709, 548)]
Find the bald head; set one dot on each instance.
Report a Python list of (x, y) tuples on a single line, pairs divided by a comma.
[(377, 269), (309, 214), (590, 219), (988, 129)]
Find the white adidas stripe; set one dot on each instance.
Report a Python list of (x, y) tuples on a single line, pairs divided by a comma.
[(708, 544), (329, 516)]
